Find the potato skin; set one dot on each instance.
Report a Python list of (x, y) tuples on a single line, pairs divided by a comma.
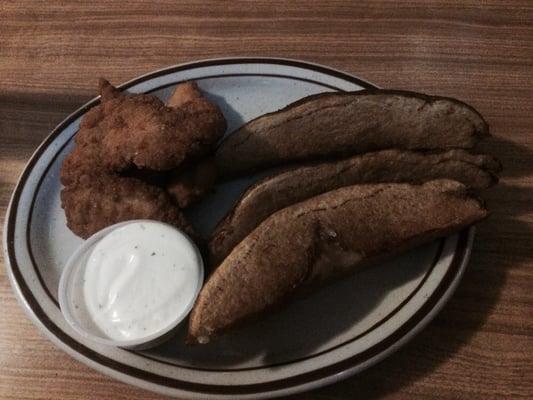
[(324, 237), (343, 124), (273, 193)]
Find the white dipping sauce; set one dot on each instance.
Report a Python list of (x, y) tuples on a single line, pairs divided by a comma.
[(139, 279)]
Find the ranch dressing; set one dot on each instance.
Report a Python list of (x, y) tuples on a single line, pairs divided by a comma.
[(139, 279)]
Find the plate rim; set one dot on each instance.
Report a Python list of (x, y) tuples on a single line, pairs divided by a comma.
[(335, 372)]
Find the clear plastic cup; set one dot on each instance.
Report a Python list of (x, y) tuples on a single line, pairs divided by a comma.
[(72, 303)]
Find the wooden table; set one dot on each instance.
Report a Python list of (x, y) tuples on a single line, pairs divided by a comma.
[(481, 345)]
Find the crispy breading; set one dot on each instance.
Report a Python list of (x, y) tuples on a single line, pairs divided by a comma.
[(184, 92), (189, 185), (141, 130), (129, 136), (95, 202)]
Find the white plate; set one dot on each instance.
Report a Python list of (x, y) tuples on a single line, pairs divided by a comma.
[(317, 340)]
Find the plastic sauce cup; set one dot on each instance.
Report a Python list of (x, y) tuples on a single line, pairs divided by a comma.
[(74, 307)]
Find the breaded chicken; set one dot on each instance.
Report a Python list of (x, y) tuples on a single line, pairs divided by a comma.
[(141, 130), (95, 202), (135, 136), (189, 185), (85, 159), (183, 93)]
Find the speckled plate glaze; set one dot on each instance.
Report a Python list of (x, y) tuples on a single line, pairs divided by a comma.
[(317, 340)]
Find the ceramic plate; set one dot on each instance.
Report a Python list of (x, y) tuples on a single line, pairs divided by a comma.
[(318, 339)]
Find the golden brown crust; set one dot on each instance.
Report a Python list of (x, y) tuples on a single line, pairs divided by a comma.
[(136, 130), (141, 130), (331, 124), (286, 188), (96, 202), (184, 92), (326, 236), (189, 185)]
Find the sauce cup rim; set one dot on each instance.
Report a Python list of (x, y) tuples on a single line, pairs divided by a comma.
[(73, 263)]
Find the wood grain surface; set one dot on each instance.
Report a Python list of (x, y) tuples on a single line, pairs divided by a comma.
[(481, 344)]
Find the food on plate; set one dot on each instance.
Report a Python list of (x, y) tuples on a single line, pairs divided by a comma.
[(95, 202), (324, 237), (129, 148), (188, 185), (183, 93), (334, 124), (406, 182), (283, 189), (85, 160), (149, 176), (141, 131), (138, 281)]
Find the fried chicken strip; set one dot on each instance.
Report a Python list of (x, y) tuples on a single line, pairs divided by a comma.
[(96, 195), (95, 202), (191, 184), (141, 130)]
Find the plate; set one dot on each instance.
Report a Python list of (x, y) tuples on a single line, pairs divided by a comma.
[(319, 339)]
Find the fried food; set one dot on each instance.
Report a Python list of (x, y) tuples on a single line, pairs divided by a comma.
[(185, 185), (343, 124), (191, 184), (141, 130), (184, 92), (95, 202), (83, 161), (149, 176), (130, 137), (325, 237), (286, 188)]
